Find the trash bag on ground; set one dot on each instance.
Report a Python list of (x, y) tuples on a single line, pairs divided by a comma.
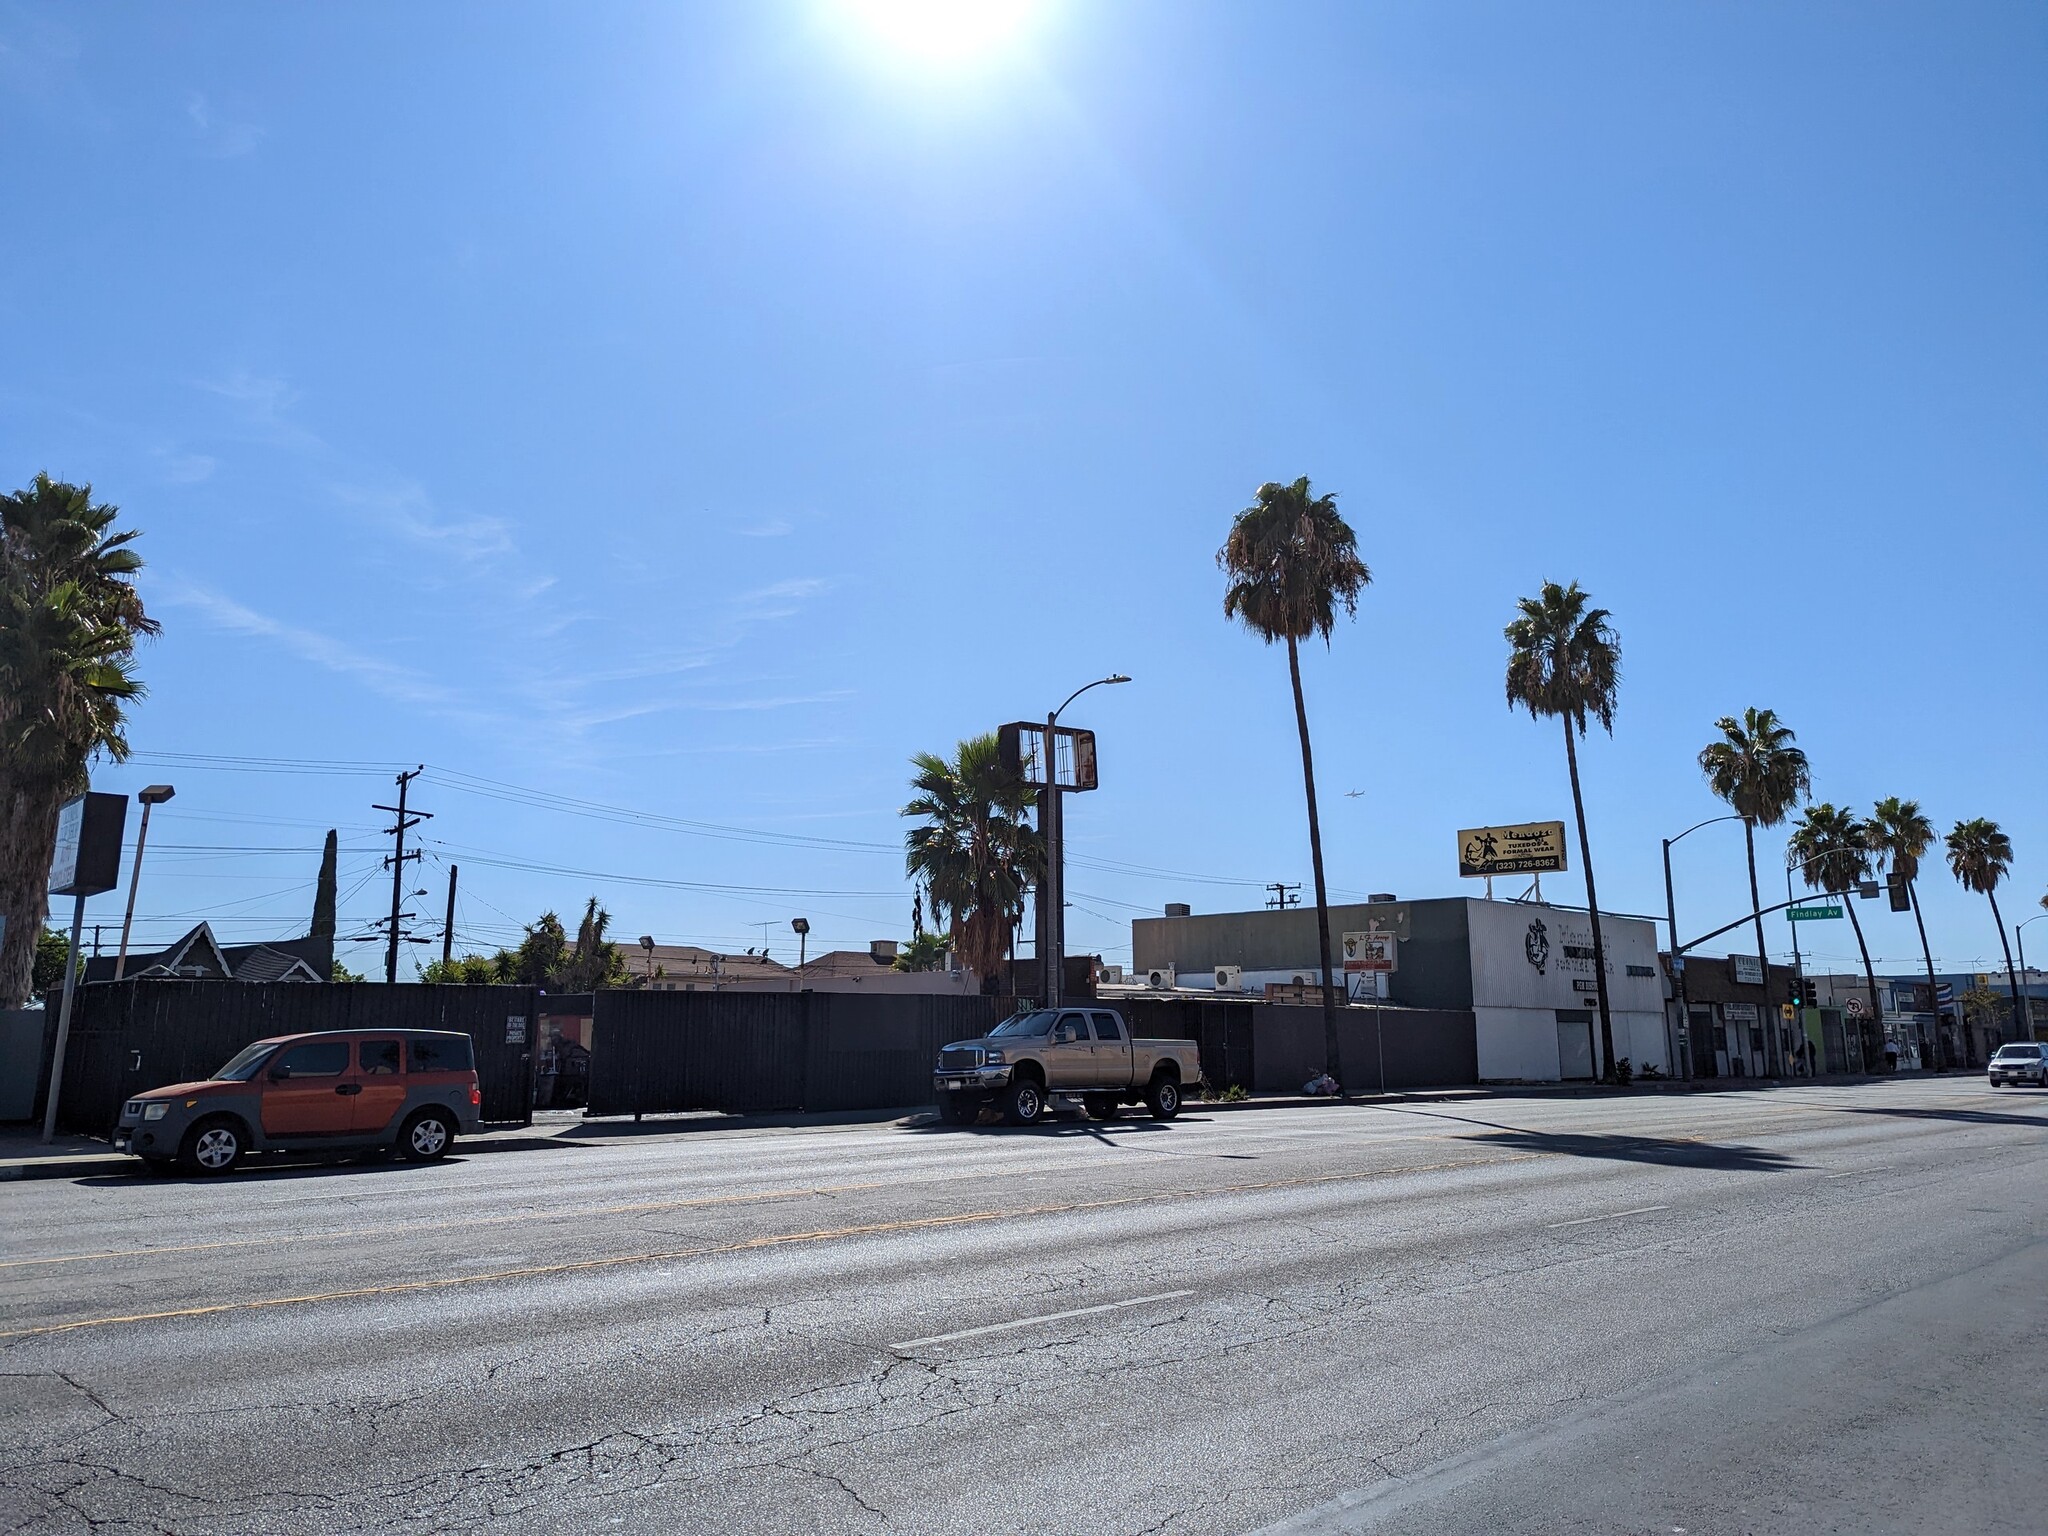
[(1323, 1087)]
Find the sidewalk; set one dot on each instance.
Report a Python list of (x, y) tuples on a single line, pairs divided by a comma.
[(23, 1156)]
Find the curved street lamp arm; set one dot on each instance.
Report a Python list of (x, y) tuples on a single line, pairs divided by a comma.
[(1688, 832), (1749, 917), (1114, 677)]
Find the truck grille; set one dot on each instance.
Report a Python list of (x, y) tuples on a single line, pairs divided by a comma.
[(959, 1058)]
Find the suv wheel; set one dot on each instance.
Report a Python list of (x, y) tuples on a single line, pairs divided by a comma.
[(427, 1136), (212, 1146), (1025, 1102), (1163, 1098)]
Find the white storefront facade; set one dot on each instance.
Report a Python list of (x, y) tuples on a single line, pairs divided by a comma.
[(1534, 1001)]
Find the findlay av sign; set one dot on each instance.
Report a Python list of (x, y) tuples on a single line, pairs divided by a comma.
[(1533, 848)]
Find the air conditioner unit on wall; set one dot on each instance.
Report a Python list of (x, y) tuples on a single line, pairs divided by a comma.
[(1160, 978), (1229, 978), (1112, 973)]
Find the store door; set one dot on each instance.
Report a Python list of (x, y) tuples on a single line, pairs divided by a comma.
[(1575, 1045)]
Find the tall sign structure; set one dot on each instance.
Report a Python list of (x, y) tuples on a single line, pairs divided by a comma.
[(87, 862), (1058, 761)]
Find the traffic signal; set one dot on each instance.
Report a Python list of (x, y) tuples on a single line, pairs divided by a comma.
[(1799, 993)]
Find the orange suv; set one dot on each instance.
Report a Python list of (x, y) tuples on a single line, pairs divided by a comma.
[(412, 1090)]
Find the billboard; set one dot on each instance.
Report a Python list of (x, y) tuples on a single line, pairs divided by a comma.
[(1533, 848), (88, 855), (1370, 952)]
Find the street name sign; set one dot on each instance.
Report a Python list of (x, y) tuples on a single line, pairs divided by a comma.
[(1812, 914), (1533, 848)]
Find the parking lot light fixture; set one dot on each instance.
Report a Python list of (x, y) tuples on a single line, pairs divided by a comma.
[(151, 797)]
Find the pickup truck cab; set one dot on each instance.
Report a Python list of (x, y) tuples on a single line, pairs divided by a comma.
[(1085, 1051)]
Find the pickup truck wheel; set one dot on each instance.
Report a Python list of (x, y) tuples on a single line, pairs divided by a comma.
[(1100, 1106), (953, 1112), (1025, 1102), (1163, 1098)]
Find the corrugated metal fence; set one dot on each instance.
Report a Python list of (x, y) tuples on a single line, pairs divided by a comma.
[(130, 1036), (749, 1052)]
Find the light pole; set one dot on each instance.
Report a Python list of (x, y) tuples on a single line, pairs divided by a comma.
[(1052, 889), (154, 795), (1692, 1054), (647, 944), (2026, 997), (801, 927)]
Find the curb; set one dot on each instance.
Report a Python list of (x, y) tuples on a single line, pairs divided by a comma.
[(65, 1167)]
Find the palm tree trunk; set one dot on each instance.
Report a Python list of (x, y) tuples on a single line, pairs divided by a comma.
[(1869, 976), (1926, 954), (1315, 849), (2012, 977), (1772, 1057), (1571, 757), (28, 836)]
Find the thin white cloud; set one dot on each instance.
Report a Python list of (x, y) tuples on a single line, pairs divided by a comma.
[(405, 508), (219, 137), (263, 404), (189, 468), (392, 681), (767, 528)]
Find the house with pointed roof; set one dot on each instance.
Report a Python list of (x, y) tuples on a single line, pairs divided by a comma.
[(199, 956)]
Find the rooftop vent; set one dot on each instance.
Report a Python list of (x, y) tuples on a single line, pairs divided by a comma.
[(1179, 909), (882, 950), (1379, 896)]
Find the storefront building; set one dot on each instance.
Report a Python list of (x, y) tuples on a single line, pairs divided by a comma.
[(1524, 970)]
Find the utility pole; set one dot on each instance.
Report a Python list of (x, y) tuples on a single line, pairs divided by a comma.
[(96, 940), (448, 928), (397, 861), (1284, 895)]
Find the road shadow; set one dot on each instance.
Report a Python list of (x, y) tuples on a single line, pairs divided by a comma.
[(1660, 1151), (2038, 1122), (263, 1173), (1061, 1127)]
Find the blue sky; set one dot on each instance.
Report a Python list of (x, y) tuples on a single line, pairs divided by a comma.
[(697, 410)]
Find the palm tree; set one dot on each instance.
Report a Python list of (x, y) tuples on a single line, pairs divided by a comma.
[(1757, 770), (973, 851), (1899, 833), (1979, 856), (1292, 562), (1564, 663), (69, 619), (1834, 854)]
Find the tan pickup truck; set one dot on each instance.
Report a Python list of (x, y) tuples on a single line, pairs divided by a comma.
[(1086, 1052)]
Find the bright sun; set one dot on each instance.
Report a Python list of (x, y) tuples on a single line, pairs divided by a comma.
[(941, 31)]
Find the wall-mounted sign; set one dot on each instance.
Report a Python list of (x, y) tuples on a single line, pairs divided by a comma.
[(1581, 984), (1369, 952), (515, 1029), (1535, 847), (88, 856), (1739, 1013), (1747, 970)]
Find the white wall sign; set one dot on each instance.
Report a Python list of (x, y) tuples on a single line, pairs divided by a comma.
[(1747, 970)]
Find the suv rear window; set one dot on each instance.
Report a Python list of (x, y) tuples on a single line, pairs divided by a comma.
[(443, 1053)]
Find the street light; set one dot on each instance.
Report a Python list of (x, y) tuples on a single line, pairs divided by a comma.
[(1677, 957), (1052, 894), (801, 927), (2026, 997), (154, 795), (647, 943)]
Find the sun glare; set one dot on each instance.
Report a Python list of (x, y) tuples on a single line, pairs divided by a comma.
[(940, 31)]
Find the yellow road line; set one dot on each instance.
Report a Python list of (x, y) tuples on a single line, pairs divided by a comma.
[(746, 1245)]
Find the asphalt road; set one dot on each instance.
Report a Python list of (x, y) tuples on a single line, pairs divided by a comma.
[(1811, 1310)]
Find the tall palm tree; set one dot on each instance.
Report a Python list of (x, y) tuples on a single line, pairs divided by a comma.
[(1901, 835), (1834, 854), (1979, 856), (69, 619), (1293, 562), (1564, 662), (973, 850), (1757, 770)]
